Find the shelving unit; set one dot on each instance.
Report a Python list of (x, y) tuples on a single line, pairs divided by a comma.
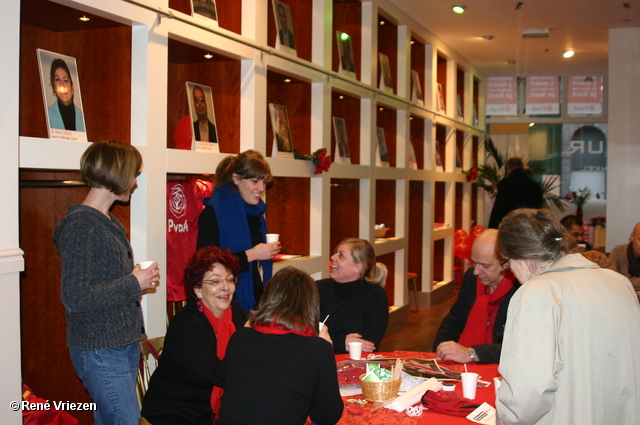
[(134, 58)]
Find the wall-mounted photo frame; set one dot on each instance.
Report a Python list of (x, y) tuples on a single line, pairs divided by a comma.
[(386, 82), (205, 10), (282, 143), (345, 49), (62, 96), (459, 104), (416, 88), (286, 39), (342, 153), (440, 100), (413, 160), (382, 157), (438, 157), (203, 118)]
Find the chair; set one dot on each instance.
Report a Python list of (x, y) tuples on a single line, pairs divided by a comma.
[(412, 279), (153, 347)]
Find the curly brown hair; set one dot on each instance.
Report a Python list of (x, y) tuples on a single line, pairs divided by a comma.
[(202, 262)]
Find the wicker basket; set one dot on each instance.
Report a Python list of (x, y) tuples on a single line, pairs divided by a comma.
[(379, 391)]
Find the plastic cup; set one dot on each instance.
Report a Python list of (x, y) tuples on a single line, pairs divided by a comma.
[(145, 264), (469, 385), (355, 350), (272, 237)]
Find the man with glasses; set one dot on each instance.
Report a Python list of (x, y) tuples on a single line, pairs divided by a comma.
[(473, 329), (576, 232)]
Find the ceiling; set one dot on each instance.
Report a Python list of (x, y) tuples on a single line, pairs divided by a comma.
[(579, 25)]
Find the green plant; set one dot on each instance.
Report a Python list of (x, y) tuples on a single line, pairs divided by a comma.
[(491, 173)]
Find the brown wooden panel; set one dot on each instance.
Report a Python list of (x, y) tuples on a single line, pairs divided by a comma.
[(388, 44), (458, 224), (438, 216), (105, 83), (46, 366), (296, 96), (476, 91), (386, 118), (347, 17), (460, 148), (301, 13), (386, 205), (416, 132), (288, 213), (229, 12), (389, 261), (438, 260), (345, 210), (441, 76), (347, 107), (416, 210), (441, 138), (222, 74)]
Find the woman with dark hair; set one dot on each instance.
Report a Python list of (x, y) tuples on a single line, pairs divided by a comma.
[(571, 346), (353, 297), (183, 389), (233, 217), (100, 285), (63, 113), (280, 371)]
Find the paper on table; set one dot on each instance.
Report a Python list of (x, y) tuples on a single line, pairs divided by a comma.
[(485, 414)]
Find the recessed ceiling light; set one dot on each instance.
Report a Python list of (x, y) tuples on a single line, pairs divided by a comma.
[(84, 18), (488, 37), (287, 80), (568, 53), (344, 36), (381, 109), (382, 23), (412, 42), (208, 56), (531, 124), (512, 62), (341, 97), (459, 9)]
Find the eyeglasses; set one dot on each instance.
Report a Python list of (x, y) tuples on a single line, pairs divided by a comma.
[(215, 282), (505, 264)]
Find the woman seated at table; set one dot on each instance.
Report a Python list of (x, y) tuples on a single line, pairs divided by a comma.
[(353, 297), (279, 371), (181, 390)]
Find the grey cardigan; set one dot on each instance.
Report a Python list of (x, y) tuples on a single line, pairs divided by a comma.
[(100, 295)]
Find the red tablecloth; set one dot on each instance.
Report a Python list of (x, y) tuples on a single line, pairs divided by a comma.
[(386, 417)]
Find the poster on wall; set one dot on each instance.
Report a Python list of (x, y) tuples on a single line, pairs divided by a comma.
[(382, 154), (345, 50), (342, 154), (386, 82), (584, 95), (62, 98), (282, 144), (205, 135), (205, 10), (543, 96), (502, 96), (416, 88), (285, 39)]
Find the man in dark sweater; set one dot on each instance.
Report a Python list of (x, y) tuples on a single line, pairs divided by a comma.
[(473, 329), (517, 190)]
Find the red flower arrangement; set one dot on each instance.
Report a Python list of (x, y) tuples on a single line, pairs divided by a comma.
[(472, 174), (319, 158)]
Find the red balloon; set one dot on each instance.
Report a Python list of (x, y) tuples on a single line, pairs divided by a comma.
[(184, 133), (461, 233), (475, 231), (462, 250)]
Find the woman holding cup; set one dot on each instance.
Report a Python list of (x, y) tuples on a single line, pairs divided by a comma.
[(100, 286), (233, 218), (353, 297)]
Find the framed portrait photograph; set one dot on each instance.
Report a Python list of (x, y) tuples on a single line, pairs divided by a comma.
[(459, 104), (205, 10), (285, 39), (342, 153), (203, 118), (440, 99), (386, 82), (282, 144), (345, 50), (62, 97), (383, 154), (416, 88), (438, 157), (413, 160)]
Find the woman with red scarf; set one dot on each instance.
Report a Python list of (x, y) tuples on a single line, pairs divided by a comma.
[(183, 390), (280, 371)]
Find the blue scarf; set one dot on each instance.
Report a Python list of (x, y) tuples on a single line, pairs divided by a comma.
[(231, 211)]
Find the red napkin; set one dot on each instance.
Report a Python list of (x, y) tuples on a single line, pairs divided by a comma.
[(448, 403)]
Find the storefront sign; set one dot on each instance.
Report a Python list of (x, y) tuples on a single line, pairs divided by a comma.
[(585, 95), (502, 96), (543, 96)]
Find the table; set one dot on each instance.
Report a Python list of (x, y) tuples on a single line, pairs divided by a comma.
[(388, 417)]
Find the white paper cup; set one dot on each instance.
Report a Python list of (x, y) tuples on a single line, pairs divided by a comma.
[(469, 385), (272, 237), (145, 264), (355, 350)]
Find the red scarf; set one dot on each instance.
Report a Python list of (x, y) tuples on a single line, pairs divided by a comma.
[(479, 327), (275, 329), (223, 328)]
